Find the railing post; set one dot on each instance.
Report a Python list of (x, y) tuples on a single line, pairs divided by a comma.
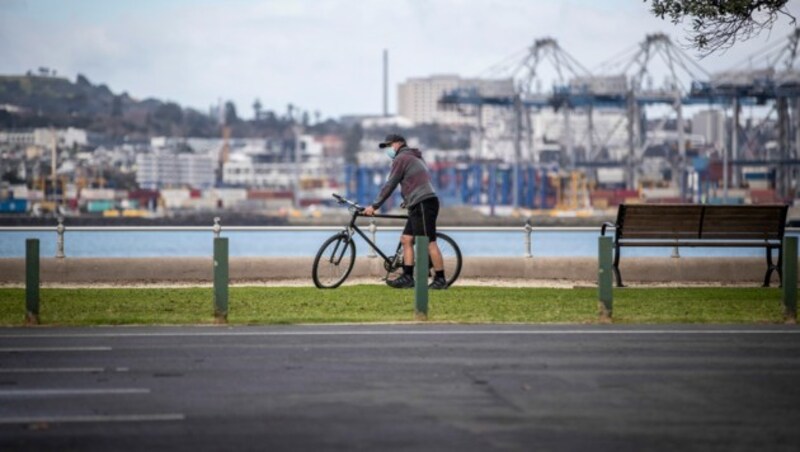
[(789, 279), (421, 278), (675, 253), (217, 228), (32, 281), (528, 245), (605, 292), (60, 238), (373, 230), (221, 279)]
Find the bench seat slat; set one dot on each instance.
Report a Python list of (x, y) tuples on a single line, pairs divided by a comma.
[(658, 235), (700, 244)]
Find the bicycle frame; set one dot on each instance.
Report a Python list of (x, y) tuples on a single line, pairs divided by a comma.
[(354, 227)]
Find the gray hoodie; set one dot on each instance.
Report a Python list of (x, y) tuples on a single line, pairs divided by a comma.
[(410, 171)]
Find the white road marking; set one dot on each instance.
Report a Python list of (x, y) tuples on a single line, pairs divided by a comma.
[(94, 419), (52, 349), (37, 370), (9, 393), (400, 333)]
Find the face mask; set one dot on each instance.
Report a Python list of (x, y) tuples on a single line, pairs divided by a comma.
[(390, 152)]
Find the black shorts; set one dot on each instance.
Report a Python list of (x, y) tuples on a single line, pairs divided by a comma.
[(422, 219)]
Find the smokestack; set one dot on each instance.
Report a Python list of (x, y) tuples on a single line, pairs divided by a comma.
[(385, 82)]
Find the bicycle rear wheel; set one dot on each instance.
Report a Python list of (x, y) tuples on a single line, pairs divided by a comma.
[(451, 255), (334, 261)]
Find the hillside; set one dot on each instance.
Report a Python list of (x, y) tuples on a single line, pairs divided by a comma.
[(60, 102)]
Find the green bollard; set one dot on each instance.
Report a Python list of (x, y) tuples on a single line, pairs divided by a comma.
[(221, 279), (32, 281), (604, 279), (789, 279), (421, 278)]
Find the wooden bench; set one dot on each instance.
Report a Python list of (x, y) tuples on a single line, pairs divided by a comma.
[(690, 225)]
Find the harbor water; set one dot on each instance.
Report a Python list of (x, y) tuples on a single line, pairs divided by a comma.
[(557, 243)]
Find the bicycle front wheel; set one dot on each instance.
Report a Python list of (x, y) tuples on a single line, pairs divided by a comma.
[(334, 261)]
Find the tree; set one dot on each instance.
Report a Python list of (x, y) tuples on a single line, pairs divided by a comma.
[(116, 107), (82, 81), (717, 25), (169, 113)]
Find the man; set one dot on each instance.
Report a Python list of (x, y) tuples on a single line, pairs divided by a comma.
[(411, 173)]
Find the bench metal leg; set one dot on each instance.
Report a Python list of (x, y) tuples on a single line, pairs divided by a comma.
[(772, 267), (617, 274)]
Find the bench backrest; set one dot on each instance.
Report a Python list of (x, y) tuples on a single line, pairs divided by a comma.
[(744, 222), (690, 221)]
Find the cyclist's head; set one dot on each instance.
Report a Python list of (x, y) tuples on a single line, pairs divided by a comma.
[(392, 139)]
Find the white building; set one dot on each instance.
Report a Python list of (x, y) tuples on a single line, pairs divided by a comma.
[(710, 124), (161, 169), (241, 170), (418, 97), (610, 130), (22, 138), (44, 137), (244, 171), (249, 168), (549, 135)]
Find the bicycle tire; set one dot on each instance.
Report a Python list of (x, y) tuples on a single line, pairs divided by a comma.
[(452, 259), (334, 249)]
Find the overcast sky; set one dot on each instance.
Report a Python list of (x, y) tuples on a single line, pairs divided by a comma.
[(318, 54)]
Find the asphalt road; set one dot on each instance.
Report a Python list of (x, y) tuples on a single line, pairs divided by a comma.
[(383, 387)]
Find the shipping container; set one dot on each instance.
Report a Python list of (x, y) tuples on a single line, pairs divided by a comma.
[(14, 206), (97, 194), (99, 206)]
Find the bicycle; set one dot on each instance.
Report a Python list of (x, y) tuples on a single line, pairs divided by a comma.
[(337, 255)]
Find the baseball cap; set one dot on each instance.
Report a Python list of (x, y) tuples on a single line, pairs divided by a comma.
[(391, 138)]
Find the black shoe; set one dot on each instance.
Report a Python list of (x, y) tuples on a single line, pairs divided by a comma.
[(438, 284), (402, 282)]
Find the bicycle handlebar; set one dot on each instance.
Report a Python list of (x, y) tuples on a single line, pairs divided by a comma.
[(342, 200), (358, 209)]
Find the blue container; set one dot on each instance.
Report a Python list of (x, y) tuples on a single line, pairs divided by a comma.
[(14, 206)]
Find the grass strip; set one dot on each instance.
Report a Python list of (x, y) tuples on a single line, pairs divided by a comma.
[(372, 303)]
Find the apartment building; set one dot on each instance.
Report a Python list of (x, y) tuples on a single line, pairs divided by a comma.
[(418, 97), (164, 169)]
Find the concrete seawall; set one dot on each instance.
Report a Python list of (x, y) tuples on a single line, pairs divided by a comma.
[(246, 269)]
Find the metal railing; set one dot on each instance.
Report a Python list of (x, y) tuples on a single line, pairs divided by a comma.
[(527, 230)]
